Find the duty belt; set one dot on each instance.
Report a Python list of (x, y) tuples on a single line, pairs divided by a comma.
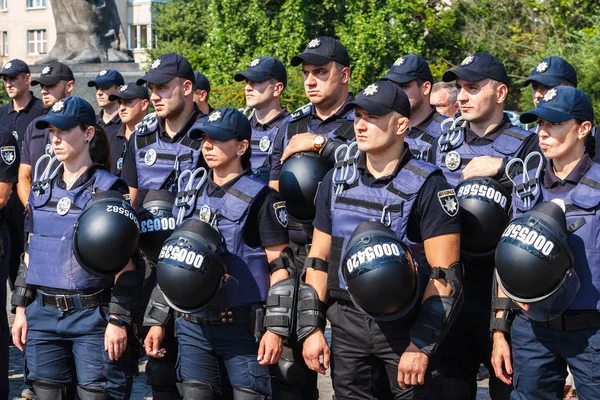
[(237, 315), (65, 302), (571, 322)]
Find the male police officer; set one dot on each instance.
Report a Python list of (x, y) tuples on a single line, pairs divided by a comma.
[(133, 104), (107, 83), (443, 98), (265, 80), (413, 199), (14, 118), (550, 72), (156, 156), (57, 82), (412, 74), (201, 94), (482, 147)]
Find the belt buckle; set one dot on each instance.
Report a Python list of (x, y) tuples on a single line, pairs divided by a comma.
[(61, 302)]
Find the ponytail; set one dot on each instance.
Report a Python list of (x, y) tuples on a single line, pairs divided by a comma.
[(99, 147)]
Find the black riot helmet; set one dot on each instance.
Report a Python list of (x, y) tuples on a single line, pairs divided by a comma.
[(380, 272), (189, 269), (534, 264), (484, 213), (156, 222), (298, 183), (106, 234)]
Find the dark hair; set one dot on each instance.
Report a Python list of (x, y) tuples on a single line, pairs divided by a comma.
[(99, 146), (245, 159)]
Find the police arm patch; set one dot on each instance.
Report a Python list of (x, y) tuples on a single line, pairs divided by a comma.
[(448, 201), (281, 213), (9, 154)]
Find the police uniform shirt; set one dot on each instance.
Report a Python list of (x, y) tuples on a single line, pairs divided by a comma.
[(427, 217), (257, 126), (556, 185), (263, 227), (118, 150), (317, 126), (36, 143), (16, 122), (111, 127), (202, 115), (129, 172)]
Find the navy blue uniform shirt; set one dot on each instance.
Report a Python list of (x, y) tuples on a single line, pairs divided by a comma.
[(16, 122)]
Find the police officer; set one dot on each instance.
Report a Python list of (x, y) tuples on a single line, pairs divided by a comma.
[(14, 118), (412, 74), (156, 156), (550, 72), (413, 199), (479, 145), (266, 79), (201, 94), (443, 98), (57, 82), (72, 318), (107, 83), (542, 348), (133, 104), (250, 219)]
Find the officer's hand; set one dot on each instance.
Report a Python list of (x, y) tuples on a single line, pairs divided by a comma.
[(152, 342), (482, 166), (501, 358), (19, 328), (299, 142), (412, 367), (271, 346), (314, 347), (115, 341)]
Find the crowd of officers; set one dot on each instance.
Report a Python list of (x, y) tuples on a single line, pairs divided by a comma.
[(395, 154)]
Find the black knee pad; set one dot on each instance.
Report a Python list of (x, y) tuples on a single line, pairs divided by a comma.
[(191, 390), (160, 373), (247, 394), (46, 390), (92, 393)]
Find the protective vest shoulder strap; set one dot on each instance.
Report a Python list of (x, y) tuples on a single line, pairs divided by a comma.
[(586, 193), (510, 140)]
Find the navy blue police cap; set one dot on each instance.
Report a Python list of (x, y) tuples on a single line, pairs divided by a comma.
[(14, 68), (321, 51), (552, 71), (201, 82), (107, 78), (382, 97), (129, 91), (408, 68), (223, 124), (559, 104), (476, 67), (67, 113), (262, 68), (167, 67)]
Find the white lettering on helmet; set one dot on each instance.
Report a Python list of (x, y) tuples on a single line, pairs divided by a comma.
[(371, 253), (529, 237), (476, 189)]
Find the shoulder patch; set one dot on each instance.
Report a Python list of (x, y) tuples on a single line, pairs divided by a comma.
[(281, 213), (302, 111), (448, 201), (9, 154)]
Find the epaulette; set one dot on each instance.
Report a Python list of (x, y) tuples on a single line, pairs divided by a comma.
[(301, 112)]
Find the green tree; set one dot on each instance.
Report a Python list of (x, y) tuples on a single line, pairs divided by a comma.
[(3, 95)]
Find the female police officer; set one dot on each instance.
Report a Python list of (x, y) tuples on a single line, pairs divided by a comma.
[(251, 220), (68, 323), (543, 346)]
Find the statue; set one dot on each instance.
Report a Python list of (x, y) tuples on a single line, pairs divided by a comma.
[(88, 31)]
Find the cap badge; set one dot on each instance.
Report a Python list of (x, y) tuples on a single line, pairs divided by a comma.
[(103, 72), (8, 65), (468, 60), (155, 64), (254, 62), (371, 90), (399, 62), (264, 144), (314, 43), (453, 160), (215, 116), (123, 88), (550, 94), (58, 106), (63, 206), (46, 70), (150, 157), (205, 214), (542, 67)]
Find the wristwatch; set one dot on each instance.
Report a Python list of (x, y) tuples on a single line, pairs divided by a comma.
[(318, 143), (116, 321)]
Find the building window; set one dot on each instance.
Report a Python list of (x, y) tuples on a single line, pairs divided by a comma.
[(37, 42), (36, 4), (3, 5), (140, 37), (4, 44)]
